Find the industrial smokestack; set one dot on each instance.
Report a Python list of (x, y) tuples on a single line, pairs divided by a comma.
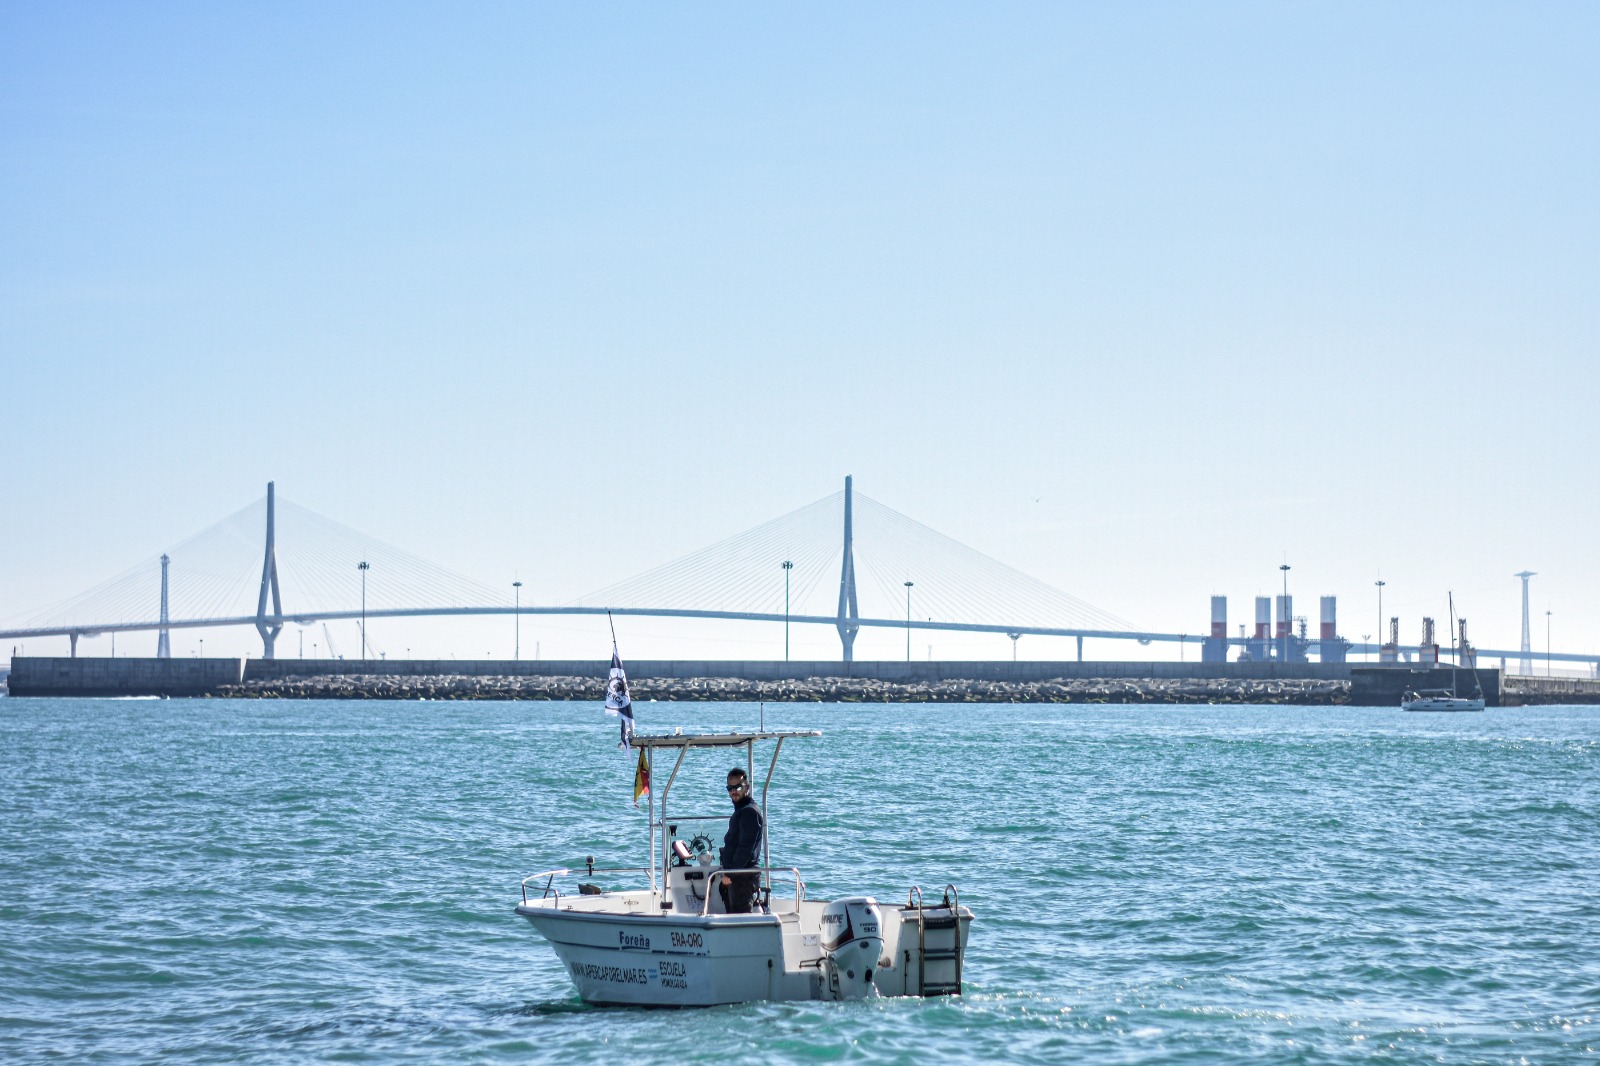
[(1259, 647), (1214, 649), (1332, 649)]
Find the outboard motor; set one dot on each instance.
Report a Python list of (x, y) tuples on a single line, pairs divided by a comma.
[(852, 943)]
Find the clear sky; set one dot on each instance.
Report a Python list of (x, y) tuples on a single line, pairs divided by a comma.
[(1142, 299)]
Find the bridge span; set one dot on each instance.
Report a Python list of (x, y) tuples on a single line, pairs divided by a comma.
[(740, 572), (1141, 637)]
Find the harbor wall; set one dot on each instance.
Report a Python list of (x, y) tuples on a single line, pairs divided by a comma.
[(1382, 686), (766, 670), (130, 676), (1368, 685), (1526, 691), (87, 676)]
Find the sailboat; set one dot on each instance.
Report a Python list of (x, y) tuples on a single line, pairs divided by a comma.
[(1439, 699)]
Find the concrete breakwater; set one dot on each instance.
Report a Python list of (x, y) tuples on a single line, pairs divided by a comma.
[(1303, 691), (944, 681), (1529, 691)]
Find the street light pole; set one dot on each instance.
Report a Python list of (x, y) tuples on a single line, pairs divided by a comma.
[(516, 646), (363, 566), (787, 566), (1283, 656), (1380, 583), (908, 619), (1547, 644)]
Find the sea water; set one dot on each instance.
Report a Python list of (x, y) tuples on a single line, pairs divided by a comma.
[(205, 881)]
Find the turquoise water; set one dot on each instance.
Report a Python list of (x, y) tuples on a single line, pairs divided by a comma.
[(285, 881)]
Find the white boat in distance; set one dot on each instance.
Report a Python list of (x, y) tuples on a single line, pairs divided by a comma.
[(1438, 700), (670, 943)]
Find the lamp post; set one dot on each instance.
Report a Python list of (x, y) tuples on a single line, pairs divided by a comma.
[(363, 566), (1283, 656), (1380, 583), (1547, 644), (908, 619), (516, 646), (787, 566)]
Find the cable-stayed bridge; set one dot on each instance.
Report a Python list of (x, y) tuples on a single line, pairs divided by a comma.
[(847, 562), (850, 565)]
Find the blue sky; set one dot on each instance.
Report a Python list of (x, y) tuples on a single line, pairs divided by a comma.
[(1140, 299)]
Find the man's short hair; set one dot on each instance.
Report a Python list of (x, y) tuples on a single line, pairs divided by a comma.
[(737, 772)]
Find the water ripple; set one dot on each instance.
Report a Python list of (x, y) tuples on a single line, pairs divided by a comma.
[(285, 882)]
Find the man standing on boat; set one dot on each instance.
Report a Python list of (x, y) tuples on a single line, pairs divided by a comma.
[(741, 848)]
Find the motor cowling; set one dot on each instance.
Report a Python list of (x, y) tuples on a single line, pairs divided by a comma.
[(852, 943)]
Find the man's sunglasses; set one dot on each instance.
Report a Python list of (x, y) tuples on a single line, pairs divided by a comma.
[(736, 788)]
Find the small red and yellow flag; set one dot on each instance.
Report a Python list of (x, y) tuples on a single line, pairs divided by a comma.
[(641, 776)]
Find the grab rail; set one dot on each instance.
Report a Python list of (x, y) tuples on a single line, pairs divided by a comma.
[(713, 872), (549, 891), (589, 871), (951, 900)]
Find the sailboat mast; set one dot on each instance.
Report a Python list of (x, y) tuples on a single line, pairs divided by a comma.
[(1455, 655)]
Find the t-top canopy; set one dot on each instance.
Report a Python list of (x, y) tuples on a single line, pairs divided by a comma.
[(713, 740)]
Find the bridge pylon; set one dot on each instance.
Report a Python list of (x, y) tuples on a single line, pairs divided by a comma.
[(163, 640), (269, 580), (848, 611)]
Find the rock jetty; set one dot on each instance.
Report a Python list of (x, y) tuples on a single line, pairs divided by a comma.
[(811, 690)]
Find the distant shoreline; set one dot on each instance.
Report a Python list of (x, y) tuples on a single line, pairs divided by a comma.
[(1297, 691), (1304, 684)]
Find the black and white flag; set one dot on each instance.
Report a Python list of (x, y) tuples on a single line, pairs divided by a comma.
[(617, 700)]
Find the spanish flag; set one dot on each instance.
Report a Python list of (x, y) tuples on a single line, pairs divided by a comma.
[(641, 776)]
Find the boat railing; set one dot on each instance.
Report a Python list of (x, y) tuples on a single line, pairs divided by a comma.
[(792, 873), (951, 900), (548, 889)]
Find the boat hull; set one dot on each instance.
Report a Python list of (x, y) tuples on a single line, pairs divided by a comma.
[(665, 960), (669, 961)]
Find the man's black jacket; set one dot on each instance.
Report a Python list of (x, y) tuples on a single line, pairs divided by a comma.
[(741, 848)]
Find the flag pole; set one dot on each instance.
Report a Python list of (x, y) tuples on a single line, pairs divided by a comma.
[(651, 793)]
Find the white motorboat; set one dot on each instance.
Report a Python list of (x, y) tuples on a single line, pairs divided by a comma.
[(669, 942)]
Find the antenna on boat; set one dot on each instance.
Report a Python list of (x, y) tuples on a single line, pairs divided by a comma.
[(763, 716)]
